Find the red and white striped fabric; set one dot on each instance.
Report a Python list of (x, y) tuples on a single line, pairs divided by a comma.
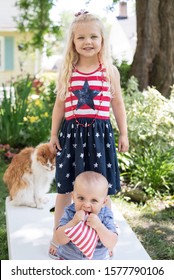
[(84, 237), (95, 83)]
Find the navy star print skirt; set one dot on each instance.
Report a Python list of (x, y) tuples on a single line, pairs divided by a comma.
[(89, 148)]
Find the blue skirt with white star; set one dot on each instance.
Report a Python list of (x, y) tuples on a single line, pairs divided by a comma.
[(90, 148)]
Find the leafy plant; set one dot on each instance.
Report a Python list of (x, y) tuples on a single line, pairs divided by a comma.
[(13, 108), (3, 231), (34, 18), (37, 123), (26, 112), (151, 171), (124, 70), (149, 165)]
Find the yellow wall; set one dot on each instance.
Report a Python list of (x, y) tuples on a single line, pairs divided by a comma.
[(28, 60)]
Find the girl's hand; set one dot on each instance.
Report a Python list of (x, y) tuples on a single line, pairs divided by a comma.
[(93, 221), (123, 143), (54, 144), (78, 217)]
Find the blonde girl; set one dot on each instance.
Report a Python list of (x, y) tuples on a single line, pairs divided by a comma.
[(88, 85)]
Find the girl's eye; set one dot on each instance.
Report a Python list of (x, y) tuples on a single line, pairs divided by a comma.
[(94, 201), (80, 38), (94, 37), (80, 198)]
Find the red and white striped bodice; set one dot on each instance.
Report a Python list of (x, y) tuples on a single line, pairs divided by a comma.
[(93, 84)]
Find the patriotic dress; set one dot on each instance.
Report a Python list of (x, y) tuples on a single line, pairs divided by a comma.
[(86, 136)]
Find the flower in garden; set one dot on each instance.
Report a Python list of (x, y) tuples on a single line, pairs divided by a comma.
[(37, 85)]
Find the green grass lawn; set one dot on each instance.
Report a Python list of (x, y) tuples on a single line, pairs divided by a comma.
[(153, 225), (152, 222)]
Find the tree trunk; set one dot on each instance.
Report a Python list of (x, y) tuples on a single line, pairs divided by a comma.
[(153, 62)]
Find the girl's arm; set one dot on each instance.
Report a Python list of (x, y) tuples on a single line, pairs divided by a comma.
[(107, 237), (120, 113), (57, 118)]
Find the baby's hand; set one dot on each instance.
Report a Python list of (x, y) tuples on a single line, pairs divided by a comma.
[(93, 221), (79, 216)]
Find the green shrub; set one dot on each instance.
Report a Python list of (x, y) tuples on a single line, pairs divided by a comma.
[(149, 165), (150, 119), (13, 108), (151, 171), (25, 113), (37, 123), (124, 70)]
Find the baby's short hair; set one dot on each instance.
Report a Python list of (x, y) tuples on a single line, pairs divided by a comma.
[(93, 178)]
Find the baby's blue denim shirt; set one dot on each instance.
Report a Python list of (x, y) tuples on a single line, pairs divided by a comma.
[(70, 252)]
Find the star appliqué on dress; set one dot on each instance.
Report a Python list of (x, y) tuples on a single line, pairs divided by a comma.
[(85, 96)]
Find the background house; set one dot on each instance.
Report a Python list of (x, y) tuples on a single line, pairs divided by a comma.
[(13, 61)]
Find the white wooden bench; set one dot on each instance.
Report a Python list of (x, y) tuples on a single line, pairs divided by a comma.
[(29, 231)]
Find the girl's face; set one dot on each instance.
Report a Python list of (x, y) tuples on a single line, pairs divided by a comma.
[(87, 39), (89, 198)]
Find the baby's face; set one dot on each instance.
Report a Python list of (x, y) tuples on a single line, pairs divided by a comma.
[(89, 198)]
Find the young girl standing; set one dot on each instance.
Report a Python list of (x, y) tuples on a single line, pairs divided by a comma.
[(88, 84)]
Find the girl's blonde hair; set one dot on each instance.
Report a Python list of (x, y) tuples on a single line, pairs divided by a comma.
[(71, 56)]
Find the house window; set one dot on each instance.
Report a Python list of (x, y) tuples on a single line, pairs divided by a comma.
[(1, 54), (6, 53)]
